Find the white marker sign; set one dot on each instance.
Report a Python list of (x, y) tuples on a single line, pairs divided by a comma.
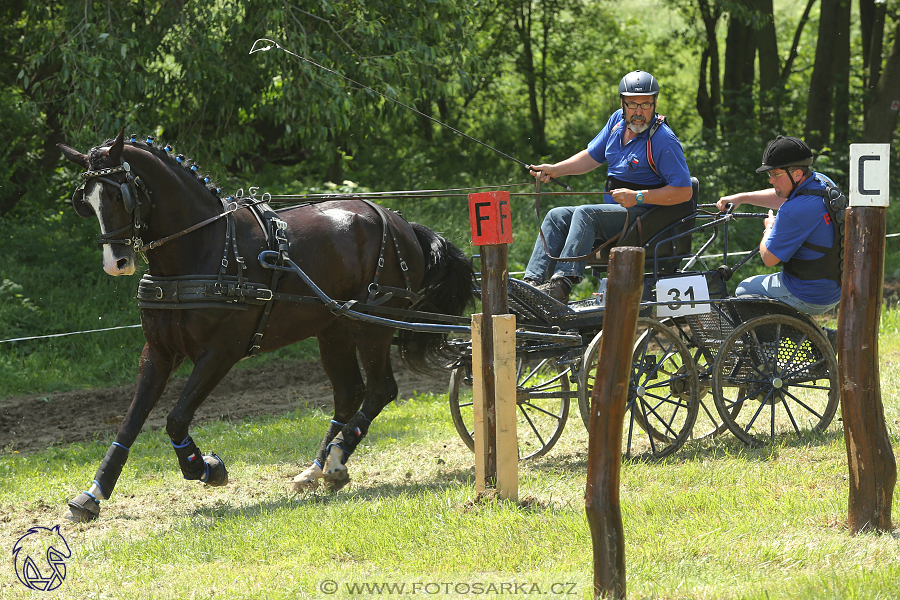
[(682, 296), (869, 174)]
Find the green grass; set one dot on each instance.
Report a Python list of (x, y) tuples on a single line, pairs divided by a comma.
[(717, 520)]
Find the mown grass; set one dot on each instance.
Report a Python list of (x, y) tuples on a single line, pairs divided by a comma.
[(717, 520)]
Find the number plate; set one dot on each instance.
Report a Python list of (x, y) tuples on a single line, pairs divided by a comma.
[(682, 296)]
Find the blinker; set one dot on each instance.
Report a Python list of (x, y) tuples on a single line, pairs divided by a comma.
[(82, 208)]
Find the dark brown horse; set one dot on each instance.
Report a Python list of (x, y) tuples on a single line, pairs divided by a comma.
[(202, 301)]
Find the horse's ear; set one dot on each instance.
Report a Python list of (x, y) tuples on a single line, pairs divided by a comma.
[(74, 155), (115, 152)]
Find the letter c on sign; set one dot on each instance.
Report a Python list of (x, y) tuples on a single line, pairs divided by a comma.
[(861, 175)]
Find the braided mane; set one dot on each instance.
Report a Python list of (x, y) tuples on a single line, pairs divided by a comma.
[(160, 153)]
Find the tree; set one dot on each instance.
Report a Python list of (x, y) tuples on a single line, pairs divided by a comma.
[(830, 78), (80, 71), (881, 115)]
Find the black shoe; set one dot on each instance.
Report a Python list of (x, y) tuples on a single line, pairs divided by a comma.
[(557, 288)]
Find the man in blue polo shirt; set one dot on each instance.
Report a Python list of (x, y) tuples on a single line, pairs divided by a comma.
[(638, 177), (802, 234)]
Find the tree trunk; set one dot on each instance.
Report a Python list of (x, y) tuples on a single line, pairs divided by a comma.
[(841, 41), (792, 55), (523, 24), (873, 44), (881, 115), (820, 103), (740, 56), (769, 67), (708, 90)]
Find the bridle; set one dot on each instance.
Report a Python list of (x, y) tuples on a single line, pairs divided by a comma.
[(130, 191)]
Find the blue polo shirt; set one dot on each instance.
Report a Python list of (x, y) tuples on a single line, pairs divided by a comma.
[(804, 218), (628, 162)]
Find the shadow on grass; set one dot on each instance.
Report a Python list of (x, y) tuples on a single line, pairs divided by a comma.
[(722, 447)]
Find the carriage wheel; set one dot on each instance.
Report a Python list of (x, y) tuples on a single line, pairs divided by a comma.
[(783, 374), (708, 424), (663, 391), (542, 401)]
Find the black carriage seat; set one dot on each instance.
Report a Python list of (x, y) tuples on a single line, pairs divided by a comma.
[(657, 224)]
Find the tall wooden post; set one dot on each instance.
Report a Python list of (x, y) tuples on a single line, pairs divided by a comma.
[(495, 442), (870, 458), (610, 394)]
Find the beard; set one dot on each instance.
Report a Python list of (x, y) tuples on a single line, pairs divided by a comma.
[(638, 124)]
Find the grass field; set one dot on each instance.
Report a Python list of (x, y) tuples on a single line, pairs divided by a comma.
[(717, 520)]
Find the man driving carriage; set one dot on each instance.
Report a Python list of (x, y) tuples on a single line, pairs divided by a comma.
[(802, 235), (646, 167)]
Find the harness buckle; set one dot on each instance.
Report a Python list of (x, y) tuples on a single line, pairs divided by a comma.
[(271, 295), (224, 263), (381, 262), (403, 266)]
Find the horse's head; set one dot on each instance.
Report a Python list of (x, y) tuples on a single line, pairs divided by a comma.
[(109, 191)]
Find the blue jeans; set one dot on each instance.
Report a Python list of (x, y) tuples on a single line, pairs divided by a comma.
[(574, 231), (773, 287)]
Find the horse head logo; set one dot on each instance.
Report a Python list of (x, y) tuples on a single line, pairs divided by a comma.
[(50, 549)]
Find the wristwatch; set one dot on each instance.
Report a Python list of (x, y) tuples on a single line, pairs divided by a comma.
[(640, 198)]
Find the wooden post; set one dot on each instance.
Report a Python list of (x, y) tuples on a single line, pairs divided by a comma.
[(610, 394), (870, 458), (504, 328), (490, 221)]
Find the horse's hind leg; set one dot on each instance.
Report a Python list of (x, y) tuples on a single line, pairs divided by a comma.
[(338, 354), (155, 371), (374, 344)]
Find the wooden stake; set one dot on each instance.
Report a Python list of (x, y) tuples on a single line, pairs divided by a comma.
[(610, 394), (873, 469), (505, 405)]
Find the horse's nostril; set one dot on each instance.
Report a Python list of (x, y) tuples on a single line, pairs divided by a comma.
[(122, 264)]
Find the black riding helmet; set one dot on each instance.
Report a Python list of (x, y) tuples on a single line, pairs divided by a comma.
[(785, 151), (638, 83)]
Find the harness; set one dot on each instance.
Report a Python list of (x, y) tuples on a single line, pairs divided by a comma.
[(831, 262), (222, 290)]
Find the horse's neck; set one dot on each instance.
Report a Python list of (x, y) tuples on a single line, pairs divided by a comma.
[(177, 202)]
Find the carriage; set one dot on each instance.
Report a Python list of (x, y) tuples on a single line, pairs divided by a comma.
[(703, 363), (767, 368)]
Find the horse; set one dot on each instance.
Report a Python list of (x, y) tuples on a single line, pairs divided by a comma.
[(207, 304)]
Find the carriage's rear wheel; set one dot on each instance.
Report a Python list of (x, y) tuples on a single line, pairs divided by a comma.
[(775, 374), (543, 393), (663, 391)]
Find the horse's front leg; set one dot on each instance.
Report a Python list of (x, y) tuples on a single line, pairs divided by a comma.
[(155, 369), (207, 373)]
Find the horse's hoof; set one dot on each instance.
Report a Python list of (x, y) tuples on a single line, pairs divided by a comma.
[(218, 474), (335, 480), (83, 509), (308, 480), (304, 485)]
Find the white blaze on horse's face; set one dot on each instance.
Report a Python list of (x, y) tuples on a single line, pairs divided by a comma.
[(114, 262)]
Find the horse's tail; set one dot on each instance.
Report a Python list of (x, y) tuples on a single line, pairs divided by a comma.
[(447, 288)]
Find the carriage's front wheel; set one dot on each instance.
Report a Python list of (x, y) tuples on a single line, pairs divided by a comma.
[(663, 391), (782, 375), (543, 393)]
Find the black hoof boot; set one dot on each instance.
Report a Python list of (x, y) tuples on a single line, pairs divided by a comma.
[(217, 474), (83, 509)]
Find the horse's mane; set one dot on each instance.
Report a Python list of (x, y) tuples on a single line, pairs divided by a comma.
[(167, 157)]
